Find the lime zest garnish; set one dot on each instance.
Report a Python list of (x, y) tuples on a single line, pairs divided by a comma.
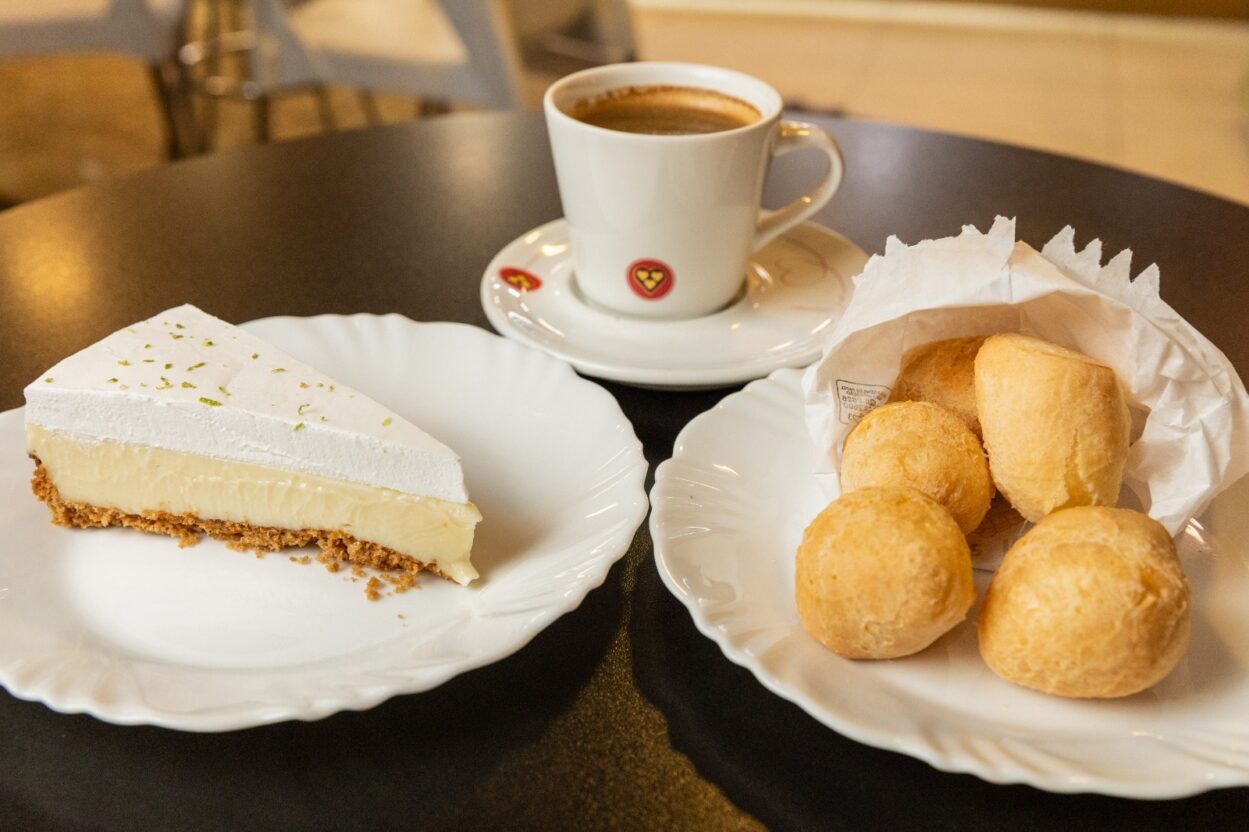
[(210, 402)]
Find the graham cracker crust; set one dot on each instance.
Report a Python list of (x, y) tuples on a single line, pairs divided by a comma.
[(336, 547)]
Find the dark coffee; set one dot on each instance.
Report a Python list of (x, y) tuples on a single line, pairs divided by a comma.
[(665, 111)]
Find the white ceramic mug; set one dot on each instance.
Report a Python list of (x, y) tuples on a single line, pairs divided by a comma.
[(662, 226)]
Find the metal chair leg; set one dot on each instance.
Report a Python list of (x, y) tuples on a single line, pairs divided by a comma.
[(368, 103), (192, 139), (169, 115), (262, 121), (206, 127), (325, 107)]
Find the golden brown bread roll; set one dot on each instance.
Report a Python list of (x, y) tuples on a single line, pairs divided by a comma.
[(1091, 602), (882, 573), (942, 372), (1055, 424), (923, 446)]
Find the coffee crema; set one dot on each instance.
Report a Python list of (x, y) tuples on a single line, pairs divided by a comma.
[(664, 111)]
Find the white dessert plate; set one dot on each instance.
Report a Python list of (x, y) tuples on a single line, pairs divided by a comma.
[(796, 288), (728, 512), (129, 628)]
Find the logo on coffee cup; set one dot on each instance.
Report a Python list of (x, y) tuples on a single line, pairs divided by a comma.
[(520, 280), (650, 279)]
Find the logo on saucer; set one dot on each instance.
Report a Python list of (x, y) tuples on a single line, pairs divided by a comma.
[(650, 279), (520, 280)]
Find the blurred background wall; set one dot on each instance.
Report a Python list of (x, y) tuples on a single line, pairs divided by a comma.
[(1158, 86)]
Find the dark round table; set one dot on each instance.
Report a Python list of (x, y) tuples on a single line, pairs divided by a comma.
[(620, 715)]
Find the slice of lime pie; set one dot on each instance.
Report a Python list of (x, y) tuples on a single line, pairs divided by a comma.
[(185, 425)]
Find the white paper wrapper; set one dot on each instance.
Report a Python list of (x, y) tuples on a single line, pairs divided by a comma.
[(1194, 441)]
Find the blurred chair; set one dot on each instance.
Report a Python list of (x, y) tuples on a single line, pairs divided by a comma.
[(592, 31), (149, 30), (457, 50)]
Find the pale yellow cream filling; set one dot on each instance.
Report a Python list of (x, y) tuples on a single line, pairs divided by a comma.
[(137, 479)]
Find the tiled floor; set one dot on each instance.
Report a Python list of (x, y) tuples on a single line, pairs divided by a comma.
[(1165, 97)]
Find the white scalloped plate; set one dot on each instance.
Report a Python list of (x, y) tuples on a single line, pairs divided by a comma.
[(728, 512), (129, 628)]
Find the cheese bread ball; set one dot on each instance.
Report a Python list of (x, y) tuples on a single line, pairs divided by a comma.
[(942, 372), (1090, 603), (1055, 424), (882, 573), (925, 447)]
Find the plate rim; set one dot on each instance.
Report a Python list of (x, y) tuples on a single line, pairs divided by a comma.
[(841, 722), (236, 715), (660, 378)]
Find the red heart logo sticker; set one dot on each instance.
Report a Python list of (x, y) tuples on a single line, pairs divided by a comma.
[(520, 280), (650, 279)]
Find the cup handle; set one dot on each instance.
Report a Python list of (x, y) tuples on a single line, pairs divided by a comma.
[(796, 135)]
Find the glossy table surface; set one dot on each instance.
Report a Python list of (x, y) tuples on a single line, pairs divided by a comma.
[(620, 715)]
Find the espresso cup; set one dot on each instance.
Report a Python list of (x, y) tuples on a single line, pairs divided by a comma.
[(663, 225)]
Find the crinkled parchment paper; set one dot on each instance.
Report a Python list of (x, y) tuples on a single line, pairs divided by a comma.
[(1191, 425)]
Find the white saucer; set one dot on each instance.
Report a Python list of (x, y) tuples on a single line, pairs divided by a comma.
[(797, 287)]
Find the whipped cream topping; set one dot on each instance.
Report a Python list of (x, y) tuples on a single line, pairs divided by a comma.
[(186, 381)]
